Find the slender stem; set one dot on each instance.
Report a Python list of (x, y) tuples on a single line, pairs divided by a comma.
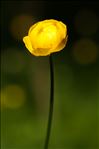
[(51, 103)]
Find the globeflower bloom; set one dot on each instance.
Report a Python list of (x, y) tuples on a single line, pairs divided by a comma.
[(46, 37)]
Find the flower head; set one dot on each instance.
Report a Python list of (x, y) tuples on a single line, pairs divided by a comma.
[(46, 37)]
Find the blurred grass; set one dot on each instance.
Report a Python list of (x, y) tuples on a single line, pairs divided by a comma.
[(75, 121)]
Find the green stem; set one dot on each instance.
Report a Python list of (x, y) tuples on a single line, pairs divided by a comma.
[(51, 103)]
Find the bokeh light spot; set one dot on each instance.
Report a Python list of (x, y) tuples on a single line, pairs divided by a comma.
[(85, 51), (12, 96), (20, 25), (86, 22)]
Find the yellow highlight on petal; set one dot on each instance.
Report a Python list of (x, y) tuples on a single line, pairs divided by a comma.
[(46, 37)]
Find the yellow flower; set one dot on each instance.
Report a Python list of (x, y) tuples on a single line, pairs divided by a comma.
[(46, 37)]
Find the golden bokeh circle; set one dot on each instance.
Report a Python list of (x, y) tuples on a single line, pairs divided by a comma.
[(12, 96), (85, 51), (86, 22), (20, 25)]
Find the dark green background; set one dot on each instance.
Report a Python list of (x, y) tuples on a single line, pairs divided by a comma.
[(76, 108)]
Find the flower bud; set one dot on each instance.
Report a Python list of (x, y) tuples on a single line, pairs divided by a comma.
[(46, 37)]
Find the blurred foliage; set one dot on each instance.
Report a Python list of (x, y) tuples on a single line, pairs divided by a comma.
[(25, 80)]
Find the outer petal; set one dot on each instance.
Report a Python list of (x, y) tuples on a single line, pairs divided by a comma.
[(41, 52), (28, 44), (61, 45)]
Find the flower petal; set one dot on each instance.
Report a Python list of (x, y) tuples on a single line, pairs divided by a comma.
[(28, 44), (61, 45)]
